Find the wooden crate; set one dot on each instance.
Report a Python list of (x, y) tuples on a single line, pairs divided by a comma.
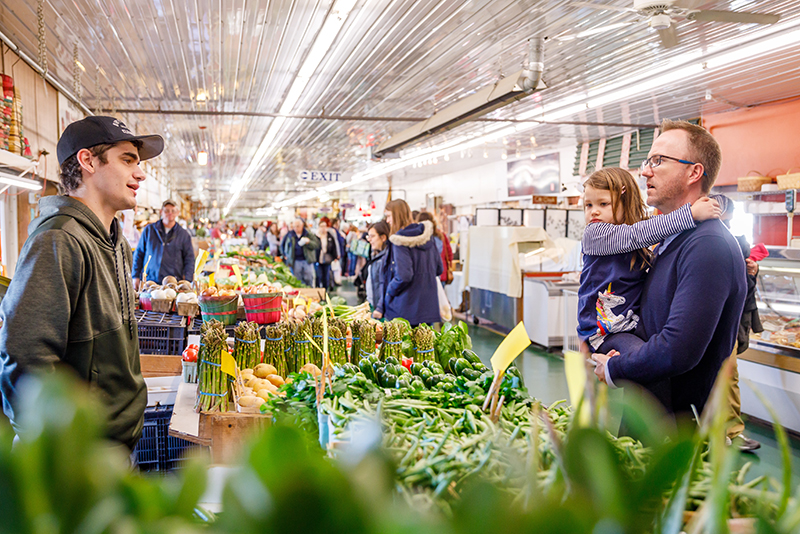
[(159, 365)]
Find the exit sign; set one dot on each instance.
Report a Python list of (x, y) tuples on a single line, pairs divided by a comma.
[(320, 176)]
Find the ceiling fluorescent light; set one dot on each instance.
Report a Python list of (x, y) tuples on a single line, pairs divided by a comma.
[(684, 66), (24, 183), (327, 34), (202, 158)]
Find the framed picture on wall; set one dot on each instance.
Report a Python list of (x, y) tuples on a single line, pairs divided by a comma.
[(487, 217), (540, 176), (511, 217)]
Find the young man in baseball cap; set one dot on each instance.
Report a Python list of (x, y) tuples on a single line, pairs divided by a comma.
[(71, 301)]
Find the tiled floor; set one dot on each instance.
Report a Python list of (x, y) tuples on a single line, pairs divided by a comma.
[(543, 374)]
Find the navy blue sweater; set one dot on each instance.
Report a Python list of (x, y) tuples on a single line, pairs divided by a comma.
[(412, 270), (171, 254), (691, 306)]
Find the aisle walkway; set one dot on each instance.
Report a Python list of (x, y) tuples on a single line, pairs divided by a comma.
[(543, 374)]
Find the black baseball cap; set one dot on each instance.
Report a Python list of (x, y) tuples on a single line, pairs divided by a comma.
[(101, 130)]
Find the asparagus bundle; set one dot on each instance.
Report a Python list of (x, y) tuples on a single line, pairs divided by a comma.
[(392, 340), (318, 330), (212, 387), (247, 345), (423, 338), (363, 340), (303, 348), (274, 349), (289, 334), (337, 342)]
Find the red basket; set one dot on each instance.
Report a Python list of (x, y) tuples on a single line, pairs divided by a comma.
[(144, 302), (263, 308)]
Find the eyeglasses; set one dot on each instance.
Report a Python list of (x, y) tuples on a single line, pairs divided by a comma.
[(655, 161)]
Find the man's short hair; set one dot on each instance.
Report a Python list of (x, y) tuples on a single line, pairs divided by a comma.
[(705, 149), (70, 172)]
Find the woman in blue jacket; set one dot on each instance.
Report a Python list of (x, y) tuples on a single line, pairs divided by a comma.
[(413, 266)]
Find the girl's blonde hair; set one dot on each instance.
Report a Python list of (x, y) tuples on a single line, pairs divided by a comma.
[(626, 199)]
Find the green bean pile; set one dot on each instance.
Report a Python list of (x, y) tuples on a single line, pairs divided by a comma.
[(212, 387), (247, 345)]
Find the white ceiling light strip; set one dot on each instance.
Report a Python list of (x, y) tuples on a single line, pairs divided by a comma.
[(682, 67), (330, 29)]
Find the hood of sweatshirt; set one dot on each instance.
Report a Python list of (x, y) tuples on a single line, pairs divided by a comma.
[(54, 206), (415, 235)]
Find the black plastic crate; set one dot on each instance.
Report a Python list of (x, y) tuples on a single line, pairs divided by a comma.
[(161, 333), (157, 450), (147, 450)]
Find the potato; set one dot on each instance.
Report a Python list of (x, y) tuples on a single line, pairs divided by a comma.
[(265, 392), (289, 380), (169, 280), (263, 370), (246, 401), (276, 380), (248, 391), (312, 369), (247, 371), (252, 382)]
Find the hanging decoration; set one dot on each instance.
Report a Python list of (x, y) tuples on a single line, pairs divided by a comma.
[(76, 74), (41, 37)]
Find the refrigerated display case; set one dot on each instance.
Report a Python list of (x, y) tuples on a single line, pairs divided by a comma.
[(771, 364)]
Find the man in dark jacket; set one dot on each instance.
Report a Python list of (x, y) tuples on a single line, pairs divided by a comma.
[(165, 247), (300, 251), (694, 292), (413, 267), (70, 302)]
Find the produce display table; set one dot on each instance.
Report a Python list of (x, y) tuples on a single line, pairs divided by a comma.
[(224, 433)]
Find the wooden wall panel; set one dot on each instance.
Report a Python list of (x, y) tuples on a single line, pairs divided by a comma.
[(39, 111)]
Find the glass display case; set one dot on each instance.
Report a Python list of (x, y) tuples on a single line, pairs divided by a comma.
[(778, 295)]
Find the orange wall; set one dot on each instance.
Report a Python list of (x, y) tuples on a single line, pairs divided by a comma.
[(764, 139)]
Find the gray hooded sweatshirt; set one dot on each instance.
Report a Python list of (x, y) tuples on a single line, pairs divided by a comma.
[(70, 304)]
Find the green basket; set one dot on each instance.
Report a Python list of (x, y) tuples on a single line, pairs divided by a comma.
[(222, 309)]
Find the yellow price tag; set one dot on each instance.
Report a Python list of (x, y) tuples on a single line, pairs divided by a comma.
[(511, 347), (144, 269), (227, 362), (211, 281), (200, 261), (217, 252), (575, 369), (238, 275)]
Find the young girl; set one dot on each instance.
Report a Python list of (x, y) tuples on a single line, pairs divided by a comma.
[(616, 255)]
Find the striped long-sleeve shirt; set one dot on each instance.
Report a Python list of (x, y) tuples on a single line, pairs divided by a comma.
[(611, 285), (605, 239)]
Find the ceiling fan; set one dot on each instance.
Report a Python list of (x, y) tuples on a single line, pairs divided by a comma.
[(661, 15)]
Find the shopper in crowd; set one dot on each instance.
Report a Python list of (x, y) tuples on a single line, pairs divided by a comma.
[(284, 231), (201, 232), (299, 249), (328, 252), (218, 230), (750, 321), (377, 235), (415, 216), (273, 241), (412, 268), (442, 246), (694, 293), (165, 248), (261, 235), (70, 302), (250, 234), (352, 236), (340, 230)]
